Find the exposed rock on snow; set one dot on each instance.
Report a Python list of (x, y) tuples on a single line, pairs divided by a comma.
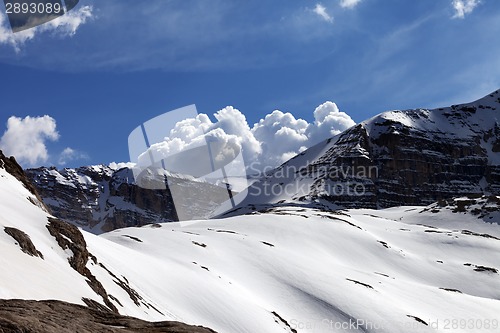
[(23, 241), (61, 317)]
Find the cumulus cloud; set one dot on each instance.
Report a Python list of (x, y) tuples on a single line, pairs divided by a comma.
[(25, 138), (70, 154), (320, 10), (349, 3), (121, 165), (65, 25), (271, 141), (280, 135), (328, 121), (464, 7)]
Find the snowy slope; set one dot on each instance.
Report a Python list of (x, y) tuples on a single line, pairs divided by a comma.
[(25, 276), (310, 267), (45, 258), (285, 269)]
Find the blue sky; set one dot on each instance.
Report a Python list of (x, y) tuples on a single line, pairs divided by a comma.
[(117, 63)]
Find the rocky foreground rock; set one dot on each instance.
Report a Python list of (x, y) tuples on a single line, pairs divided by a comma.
[(21, 316)]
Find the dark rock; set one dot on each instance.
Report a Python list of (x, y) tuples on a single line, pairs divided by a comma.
[(11, 166), (20, 316), (418, 320), (69, 237), (24, 241)]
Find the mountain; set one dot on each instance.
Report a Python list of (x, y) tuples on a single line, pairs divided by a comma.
[(409, 157), (99, 198), (277, 269), (46, 258)]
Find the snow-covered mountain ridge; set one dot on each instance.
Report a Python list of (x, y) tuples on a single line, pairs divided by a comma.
[(285, 269), (410, 157)]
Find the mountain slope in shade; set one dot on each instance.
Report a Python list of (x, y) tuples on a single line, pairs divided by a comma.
[(99, 198), (284, 269), (410, 157)]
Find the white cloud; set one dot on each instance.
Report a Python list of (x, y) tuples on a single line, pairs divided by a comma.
[(70, 154), (328, 121), (270, 142), (349, 3), (463, 7), (320, 10), (121, 165), (279, 134), (65, 25), (25, 138)]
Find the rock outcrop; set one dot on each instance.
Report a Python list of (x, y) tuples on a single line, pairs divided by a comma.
[(11, 166), (100, 199), (61, 317)]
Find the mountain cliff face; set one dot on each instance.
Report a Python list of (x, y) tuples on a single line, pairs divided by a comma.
[(410, 157), (100, 199)]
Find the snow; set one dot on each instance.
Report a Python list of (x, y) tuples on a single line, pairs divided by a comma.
[(316, 270), (29, 277), (303, 274)]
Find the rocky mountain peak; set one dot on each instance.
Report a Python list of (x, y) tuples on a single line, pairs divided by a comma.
[(399, 157), (99, 199), (10, 165)]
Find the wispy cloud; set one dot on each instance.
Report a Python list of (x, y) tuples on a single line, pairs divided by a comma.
[(320, 10), (185, 35), (65, 25), (70, 154), (464, 7), (349, 3)]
